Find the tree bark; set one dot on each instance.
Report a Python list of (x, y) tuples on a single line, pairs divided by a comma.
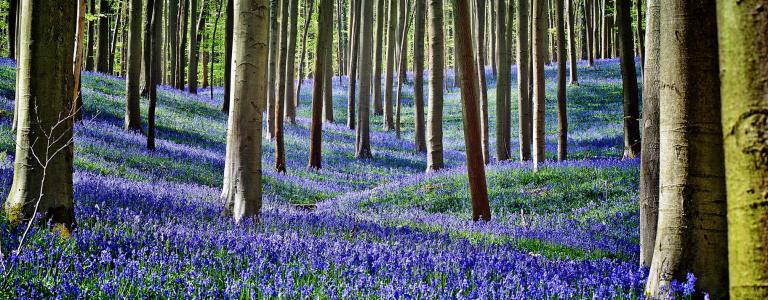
[(193, 45), (378, 109), (572, 44), (435, 109), (418, 78), (539, 98), (649, 154), (310, 7), (279, 107), (228, 38), (503, 139), (401, 65), (389, 118), (629, 80), (45, 109), (78, 61), (744, 72), (102, 46), (274, 37), (588, 9), (362, 140), (472, 132), (323, 45), (353, 62), (691, 234), (562, 115), (290, 64), (156, 40), (89, 57), (249, 61), (173, 38), (640, 34), (133, 78), (483, 88), (181, 55), (327, 81), (523, 80), (13, 6)]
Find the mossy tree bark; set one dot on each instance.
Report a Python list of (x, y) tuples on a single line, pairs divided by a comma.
[(45, 115), (744, 71), (435, 105), (691, 235), (278, 113)]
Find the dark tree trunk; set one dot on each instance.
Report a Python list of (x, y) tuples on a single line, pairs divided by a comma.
[(418, 79), (156, 41), (364, 41), (378, 108), (228, 36), (355, 45), (102, 46), (523, 79), (195, 24), (133, 78), (562, 116), (629, 80), (13, 6), (89, 57), (324, 41)]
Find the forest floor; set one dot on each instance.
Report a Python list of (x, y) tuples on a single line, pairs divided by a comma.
[(150, 224)]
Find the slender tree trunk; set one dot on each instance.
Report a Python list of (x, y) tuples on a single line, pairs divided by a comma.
[(132, 92), (640, 34), (472, 132), (278, 113), (204, 63), (401, 65), (323, 45), (89, 57), (181, 57), (378, 108), (491, 5), (562, 115), (194, 25), (250, 50), (629, 80), (744, 72), (274, 37), (692, 235), (435, 109), (228, 38), (389, 118), (483, 88), (156, 41), (307, 18), (523, 80), (365, 39), (290, 63), (503, 140), (353, 62), (342, 44), (649, 155), (327, 81), (539, 97), (588, 9), (572, 44), (78, 61), (113, 42), (173, 38), (13, 6), (45, 109), (102, 46), (418, 78)]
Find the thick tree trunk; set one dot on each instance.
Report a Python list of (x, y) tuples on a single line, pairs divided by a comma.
[(353, 62), (744, 72), (45, 109), (523, 80), (250, 50), (378, 109), (483, 88), (649, 155), (323, 45), (435, 109), (156, 40), (418, 78), (478, 188), (692, 234), (389, 118), (572, 44), (562, 115), (539, 98), (629, 80), (228, 38), (133, 78), (274, 37), (290, 63), (102, 46), (365, 39), (193, 46), (279, 107), (503, 139)]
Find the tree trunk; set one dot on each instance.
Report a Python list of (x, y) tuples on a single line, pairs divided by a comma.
[(588, 9), (290, 64), (640, 33), (323, 45), (483, 88), (13, 6), (228, 38), (478, 188), (503, 139), (378, 109), (492, 25), (435, 109), (523, 80), (310, 7), (113, 41), (181, 55), (365, 39), (692, 234), (539, 97), (389, 118), (401, 65), (744, 72), (45, 104), (89, 57), (250, 50), (132, 92), (572, 44), (194, 24), (156, 41), (649, 154), (353, 62), (274, 37), (327, 81), (278, 113), (629, 80), (78, 61), (102, 46), (173, 38), (562, 115), (418, 78)]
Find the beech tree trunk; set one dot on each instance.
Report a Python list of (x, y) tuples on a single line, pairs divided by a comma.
[(483, 88), (562, 115), (274, 37), (322, 62), (250, 50), (156, 40), (78, 60), (389, 118), (278, 113), (13, 6), (353, 62), (173, 38), (365, 39), (290, 64), (744, 73), (193, 46), (692, 235), (228, 38), (133, 78), (436, 64), (401, 65), (478, 188), (181, 55), (629, 80), (102, 46), (327, 80), (539, 97), (590, 42), (45, 84), (90, 55), (649, 155), (503, 139), (523, 80), (572, 44), (420, 16), (378, 109), (310, 8)]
